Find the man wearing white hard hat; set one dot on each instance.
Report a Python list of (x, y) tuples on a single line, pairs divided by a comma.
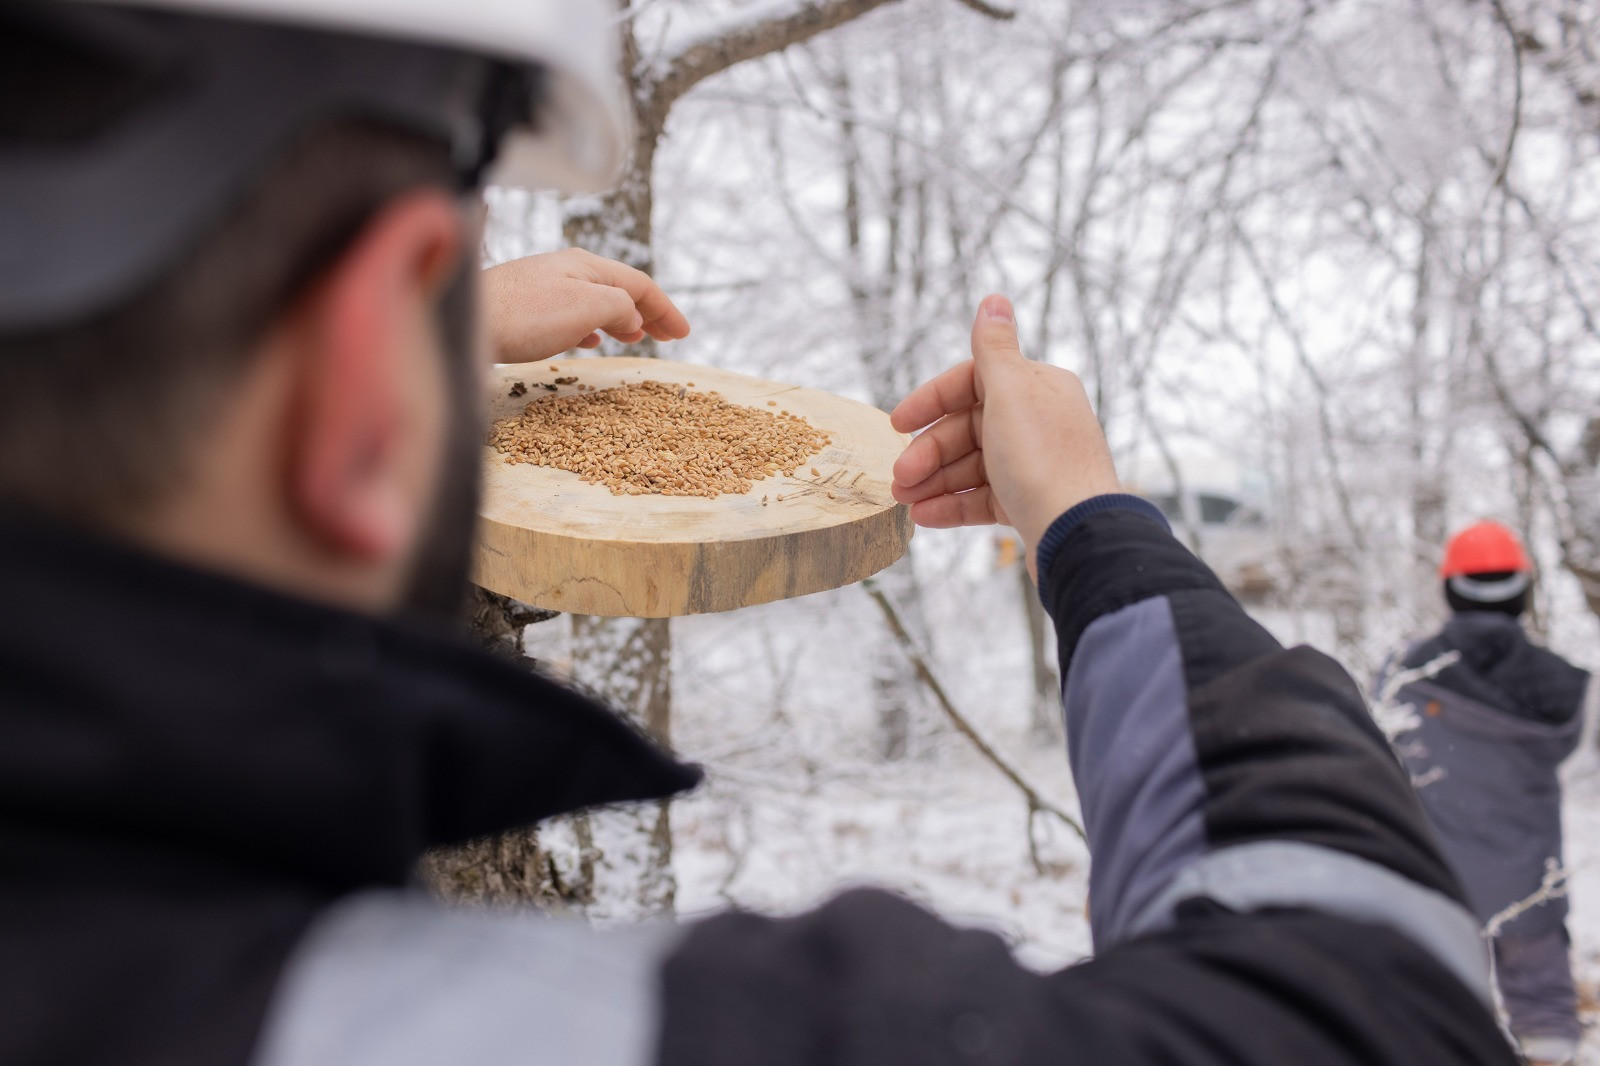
[(239, 442)]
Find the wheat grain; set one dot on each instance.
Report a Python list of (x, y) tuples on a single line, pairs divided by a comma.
[(657, 439)]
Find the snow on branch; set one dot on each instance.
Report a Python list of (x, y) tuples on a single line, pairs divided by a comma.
[(1557, 879), (1395, 717), (751, 31), (1426, 672), (762, 27)]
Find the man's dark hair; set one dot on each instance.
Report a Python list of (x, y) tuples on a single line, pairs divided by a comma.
[(99, 418)]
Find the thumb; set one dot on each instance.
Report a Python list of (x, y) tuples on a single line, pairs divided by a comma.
[(994, 334)]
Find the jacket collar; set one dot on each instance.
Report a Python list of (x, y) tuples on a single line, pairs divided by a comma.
[(157, 709)]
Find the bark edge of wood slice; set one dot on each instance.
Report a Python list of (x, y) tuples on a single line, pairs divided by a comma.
[(551, 540)]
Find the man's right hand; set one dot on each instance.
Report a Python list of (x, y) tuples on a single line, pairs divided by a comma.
[(1007, 440)]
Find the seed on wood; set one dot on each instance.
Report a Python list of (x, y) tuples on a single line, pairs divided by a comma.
[(814, 472), (772, 403), (659, 439), (555, 370)]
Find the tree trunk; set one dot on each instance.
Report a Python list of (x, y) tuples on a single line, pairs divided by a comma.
[(895, 689), (895, 694), (511, 867), (626, 662)]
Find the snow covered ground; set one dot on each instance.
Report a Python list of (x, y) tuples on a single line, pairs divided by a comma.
[(944, 829)]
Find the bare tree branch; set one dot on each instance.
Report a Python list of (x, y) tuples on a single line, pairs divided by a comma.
[(712, 55), (1037, 803), (1555, 59), (1504, 165), (994, 11)]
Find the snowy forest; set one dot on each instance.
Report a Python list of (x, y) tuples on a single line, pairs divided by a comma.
[(1330, 270)]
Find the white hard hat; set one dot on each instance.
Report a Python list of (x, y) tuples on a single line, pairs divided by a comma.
[(584, 129), (158, 114)]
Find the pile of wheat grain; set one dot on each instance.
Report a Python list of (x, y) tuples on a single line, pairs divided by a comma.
[(655, 438)]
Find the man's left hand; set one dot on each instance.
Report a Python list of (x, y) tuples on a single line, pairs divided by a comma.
[(544, 305)]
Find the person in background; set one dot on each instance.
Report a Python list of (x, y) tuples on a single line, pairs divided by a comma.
[(1495, 716)]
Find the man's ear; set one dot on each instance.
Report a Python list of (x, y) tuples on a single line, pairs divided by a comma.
[(368, 408)]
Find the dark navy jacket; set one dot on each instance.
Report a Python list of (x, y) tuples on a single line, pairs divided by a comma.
[(212, 797), (1494, 721)]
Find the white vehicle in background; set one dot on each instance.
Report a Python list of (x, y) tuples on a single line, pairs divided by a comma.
[(1216, 516), (1228, 533), (1207, 498)]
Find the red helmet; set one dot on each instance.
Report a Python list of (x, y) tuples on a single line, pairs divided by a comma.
[(1485, 548)]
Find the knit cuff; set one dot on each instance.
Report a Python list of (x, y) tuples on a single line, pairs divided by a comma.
[(1063, 526)]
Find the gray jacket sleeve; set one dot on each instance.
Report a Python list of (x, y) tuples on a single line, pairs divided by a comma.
[(1212, 762)]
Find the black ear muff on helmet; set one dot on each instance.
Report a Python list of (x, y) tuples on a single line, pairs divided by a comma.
[(509, 95)]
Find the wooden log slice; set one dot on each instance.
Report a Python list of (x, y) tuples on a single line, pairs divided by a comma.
[(551, 540)]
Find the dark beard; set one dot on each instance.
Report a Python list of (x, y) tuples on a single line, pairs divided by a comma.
[(440, 573)]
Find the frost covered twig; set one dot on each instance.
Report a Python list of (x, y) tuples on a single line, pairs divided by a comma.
[(1426, 672), (1037, 803), (1394, 717), (1427, 777), (1554, 885), (1557, 880)]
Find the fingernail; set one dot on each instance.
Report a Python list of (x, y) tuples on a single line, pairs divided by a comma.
[(998, 309)]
